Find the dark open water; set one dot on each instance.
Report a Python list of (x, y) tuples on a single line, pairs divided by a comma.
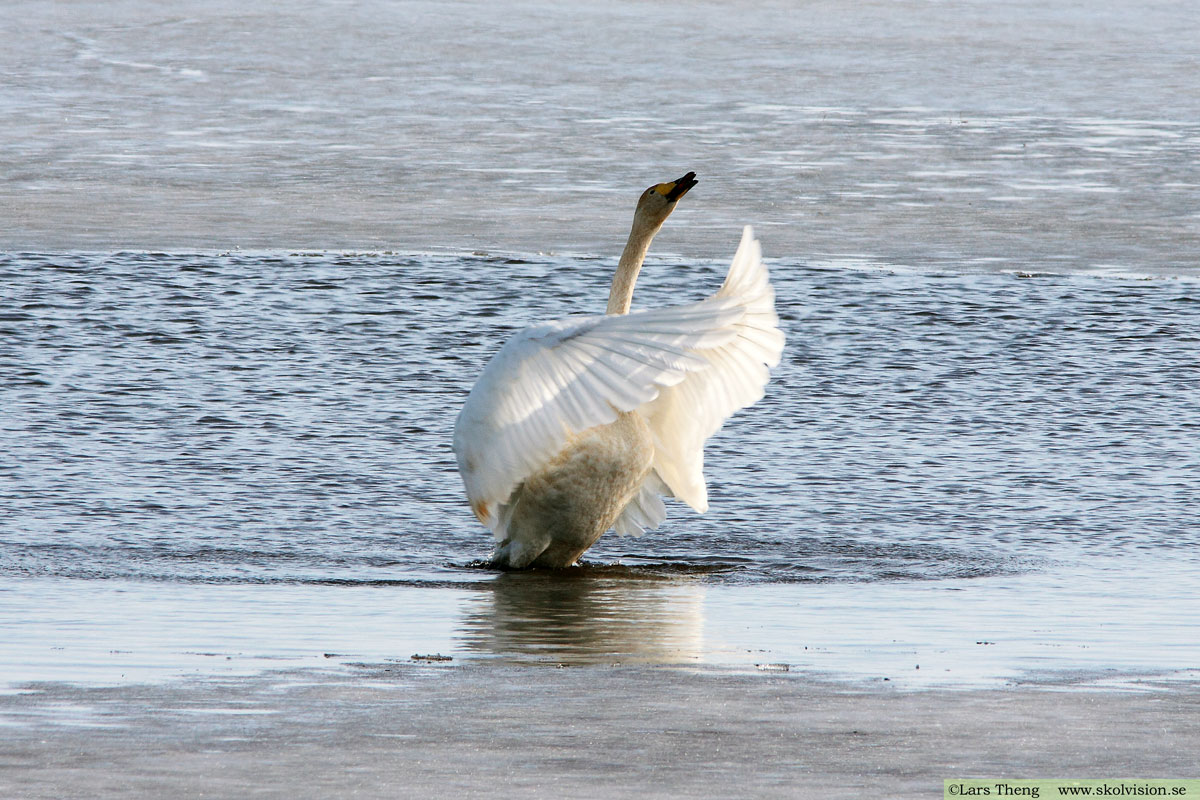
[(287, 418), (175, 422)]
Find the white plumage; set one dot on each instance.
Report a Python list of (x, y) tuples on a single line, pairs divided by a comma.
[(579, 425)]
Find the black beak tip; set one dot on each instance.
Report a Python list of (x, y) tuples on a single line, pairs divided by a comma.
[(682, 186)]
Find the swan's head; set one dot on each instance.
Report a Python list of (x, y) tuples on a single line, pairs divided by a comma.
[(657, 202)]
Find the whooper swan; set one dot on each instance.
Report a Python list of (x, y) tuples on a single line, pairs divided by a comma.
[(580, 425)]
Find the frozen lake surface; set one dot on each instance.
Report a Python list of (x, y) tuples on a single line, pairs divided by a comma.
[(1030, 135), (252, 262)]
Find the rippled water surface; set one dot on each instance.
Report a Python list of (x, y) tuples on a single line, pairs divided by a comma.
[(286, 418), (282, 417)]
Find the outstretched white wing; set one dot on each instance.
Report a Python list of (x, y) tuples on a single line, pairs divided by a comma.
[(685, 368), (687, 413), (563, 377)]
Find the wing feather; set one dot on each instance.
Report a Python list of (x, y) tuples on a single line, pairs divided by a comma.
[(560, 378), (685, 415), (684, 368)]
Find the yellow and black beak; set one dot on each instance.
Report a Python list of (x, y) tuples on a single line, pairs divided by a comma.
[(677, 189)]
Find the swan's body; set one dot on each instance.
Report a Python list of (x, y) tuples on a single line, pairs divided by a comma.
[(580, 425)]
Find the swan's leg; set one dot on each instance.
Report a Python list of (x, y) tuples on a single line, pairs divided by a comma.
[(520, 551), (561, 511)]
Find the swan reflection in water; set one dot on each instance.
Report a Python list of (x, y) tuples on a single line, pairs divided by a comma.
[(588, 615)]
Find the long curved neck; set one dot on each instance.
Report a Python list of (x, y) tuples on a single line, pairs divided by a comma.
[(621, 296)]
